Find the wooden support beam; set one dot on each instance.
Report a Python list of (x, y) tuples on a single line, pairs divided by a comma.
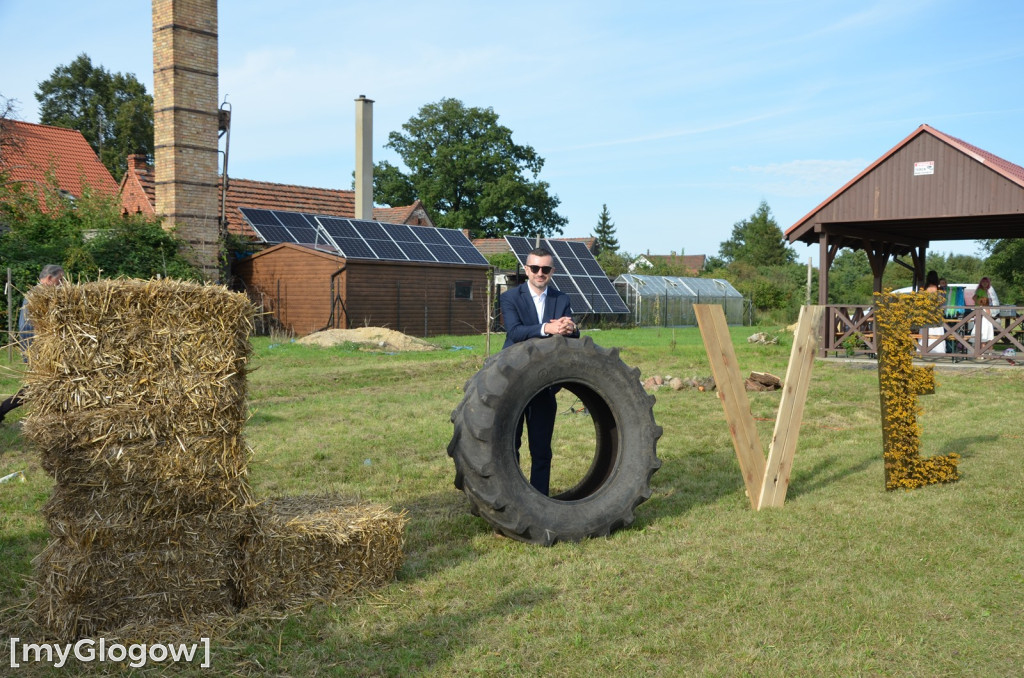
[(791, 408), (766, 482), (729, 385)]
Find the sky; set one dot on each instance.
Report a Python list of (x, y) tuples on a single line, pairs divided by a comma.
[(680, 116)]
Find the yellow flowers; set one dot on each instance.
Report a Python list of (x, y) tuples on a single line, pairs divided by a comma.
[(899, 385)]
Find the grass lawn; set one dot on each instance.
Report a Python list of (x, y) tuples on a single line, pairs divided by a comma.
[(847, 579)]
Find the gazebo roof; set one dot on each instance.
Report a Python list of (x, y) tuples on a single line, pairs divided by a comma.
[(930, 186)]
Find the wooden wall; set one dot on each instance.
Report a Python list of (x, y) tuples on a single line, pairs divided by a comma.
[(418, 299), (294, 285), (415, 299)]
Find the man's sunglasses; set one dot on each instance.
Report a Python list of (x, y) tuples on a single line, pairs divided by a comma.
[(538, 269)]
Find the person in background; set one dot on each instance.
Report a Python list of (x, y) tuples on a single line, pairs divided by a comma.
[(983, 298), (933, 335), (52, 274), (537, 311)]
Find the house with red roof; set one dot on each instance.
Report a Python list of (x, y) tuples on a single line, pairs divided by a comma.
[(31, 154), (489, 246), (688, 264), (138, 195)]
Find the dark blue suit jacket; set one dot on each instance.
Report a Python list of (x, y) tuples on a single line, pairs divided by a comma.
[(520, 313)]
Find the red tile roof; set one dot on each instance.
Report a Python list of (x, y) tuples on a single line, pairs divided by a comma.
[(1014, 173), (30, 151), (690, 262), (269, 196), (498, 245)]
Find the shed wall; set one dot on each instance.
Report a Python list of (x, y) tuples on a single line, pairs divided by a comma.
[(294, 287), (418, 300)]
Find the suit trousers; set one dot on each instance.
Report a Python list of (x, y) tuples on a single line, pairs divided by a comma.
[(540, 425)]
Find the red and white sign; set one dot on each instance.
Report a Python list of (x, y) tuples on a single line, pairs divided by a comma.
[(922, 168)]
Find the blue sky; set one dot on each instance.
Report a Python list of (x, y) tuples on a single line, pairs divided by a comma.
[(680, 116)]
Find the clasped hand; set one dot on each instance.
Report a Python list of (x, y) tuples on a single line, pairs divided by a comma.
[(564, 326)]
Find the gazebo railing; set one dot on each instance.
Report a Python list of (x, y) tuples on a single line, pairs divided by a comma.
[(850, 331)]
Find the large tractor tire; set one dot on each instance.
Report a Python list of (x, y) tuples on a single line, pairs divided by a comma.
[(625, 457)]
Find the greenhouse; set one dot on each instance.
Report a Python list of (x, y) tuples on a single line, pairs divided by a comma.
[(665, 301)]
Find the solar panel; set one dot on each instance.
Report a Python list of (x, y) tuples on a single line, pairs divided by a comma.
[(611, 297), (430, 236), (471, 255), (260, 217), (355, 248), (370, 230), (400, 233), (445, 253), (294, 220), (387, 249), (520, 246), (337, 228), (362, 239), (416, 251), (578, 274)]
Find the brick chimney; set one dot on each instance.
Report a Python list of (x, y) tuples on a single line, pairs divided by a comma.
[(364, 158), (185, 120)]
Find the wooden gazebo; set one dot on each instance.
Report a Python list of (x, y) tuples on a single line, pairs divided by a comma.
[(929, 187)]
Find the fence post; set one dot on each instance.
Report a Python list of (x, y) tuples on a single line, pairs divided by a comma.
[(10, 343)]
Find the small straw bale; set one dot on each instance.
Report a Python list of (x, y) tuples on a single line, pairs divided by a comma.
[(318, 547), (98, 579), (175, 352)]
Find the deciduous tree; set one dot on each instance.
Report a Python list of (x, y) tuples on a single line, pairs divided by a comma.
[(113, 111), (469, 174)]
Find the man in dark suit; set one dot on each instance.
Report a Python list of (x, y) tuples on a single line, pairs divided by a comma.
[(536, 311)]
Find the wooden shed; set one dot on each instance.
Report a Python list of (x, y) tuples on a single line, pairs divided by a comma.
[(307, 290)]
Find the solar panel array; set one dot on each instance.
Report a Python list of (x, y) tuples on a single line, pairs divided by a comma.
[(358, 239), (577, 274)]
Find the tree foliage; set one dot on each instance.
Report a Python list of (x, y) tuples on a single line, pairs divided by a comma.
[(758, 241), (469, 174), (604, 233), (614, 263), (851, 280), (504, 261), (1005, 265), (111, 110), (88, 236)]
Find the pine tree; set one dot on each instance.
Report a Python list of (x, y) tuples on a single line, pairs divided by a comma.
[(604, 232)]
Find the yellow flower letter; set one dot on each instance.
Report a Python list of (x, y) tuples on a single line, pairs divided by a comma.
[(899, 384)]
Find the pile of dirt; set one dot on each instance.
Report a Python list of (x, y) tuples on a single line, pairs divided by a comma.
[(379, 338)]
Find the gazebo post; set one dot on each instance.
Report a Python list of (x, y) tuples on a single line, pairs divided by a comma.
[(825, 258)]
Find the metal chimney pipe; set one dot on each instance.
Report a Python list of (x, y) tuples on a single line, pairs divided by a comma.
[(364, 158)]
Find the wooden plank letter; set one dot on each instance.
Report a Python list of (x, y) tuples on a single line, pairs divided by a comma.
[(766, 482)]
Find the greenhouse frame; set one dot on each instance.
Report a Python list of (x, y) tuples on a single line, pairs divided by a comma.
[(666, 301)]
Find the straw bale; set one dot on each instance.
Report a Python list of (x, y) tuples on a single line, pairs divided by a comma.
[(318, 547), (165, 345), (189, 464), (125, 423), (82, 508), (97, 580)]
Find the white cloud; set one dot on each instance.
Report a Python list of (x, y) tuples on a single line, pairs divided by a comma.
[(803, 178)]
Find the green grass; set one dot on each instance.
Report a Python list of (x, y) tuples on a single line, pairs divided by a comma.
[(845, 580)]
